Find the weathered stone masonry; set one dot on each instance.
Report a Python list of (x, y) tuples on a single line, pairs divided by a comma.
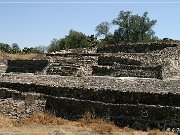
[(26, 66), (159, 61), (123, 101), (134, 48), (151, 99)]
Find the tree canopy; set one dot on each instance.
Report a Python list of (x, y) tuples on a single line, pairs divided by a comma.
[(103, 29), (131, 28), (134, 28), (14, 49), (73, 40)]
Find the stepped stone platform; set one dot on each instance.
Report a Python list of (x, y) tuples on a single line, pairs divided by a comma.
[(136, 85), (71, 64), (123, 70), (155, 61), (126, 101)]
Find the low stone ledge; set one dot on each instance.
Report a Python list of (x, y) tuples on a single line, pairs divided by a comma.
[(26, 66), (101, 95), (73, 54), (122, 70), (148, 85), (135, 48), (127, 113)]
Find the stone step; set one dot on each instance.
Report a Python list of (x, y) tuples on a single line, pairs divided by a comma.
[(128, 71), (123, 113), (153, 116), (26, 66), (15, 94), (120, 106), (110, 60), (62, 69), (135, 73), (101, 95)]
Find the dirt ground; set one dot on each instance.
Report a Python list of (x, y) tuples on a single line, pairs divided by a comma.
[(36, 129), (45, 124)]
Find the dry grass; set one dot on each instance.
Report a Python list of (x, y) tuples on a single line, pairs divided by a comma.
[(106, 127), (5, 122), (87, 124), (99, 126), (42, 118), (25, 56), (20, 56)]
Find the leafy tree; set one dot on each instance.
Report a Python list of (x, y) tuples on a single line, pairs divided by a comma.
[(167, 40), (92, 39), (123, 21), (133, 28), (15, 48), (103, 29), (73, 40), (76, 39), (40, 49), (54, 45), (5, 47), (26, 50), (146, 27), (57, 45)]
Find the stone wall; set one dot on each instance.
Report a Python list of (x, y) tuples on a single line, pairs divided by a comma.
[(134, 48), (129, 65), (101, 95), (20, 105), (63, 70), (137, 116), (126, 105), (166, 61), (71, 64), (122, 70), (160, 61), (89, 50), (149, 102), (26, 66)]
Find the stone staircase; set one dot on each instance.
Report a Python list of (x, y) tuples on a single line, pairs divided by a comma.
[(122, 70), (71, 65), (126, 68), (63, 70)]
